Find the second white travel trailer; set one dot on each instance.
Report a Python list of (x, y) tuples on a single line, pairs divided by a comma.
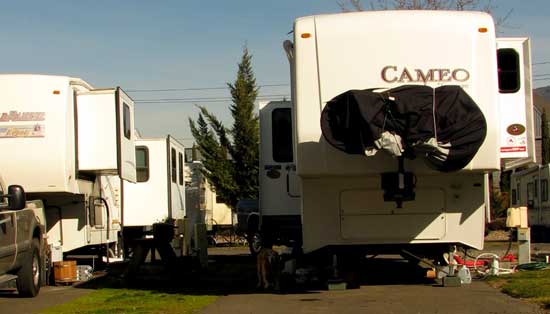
[(529, 187), (426, 88), (69, 145), (158, 195), (218, 217)]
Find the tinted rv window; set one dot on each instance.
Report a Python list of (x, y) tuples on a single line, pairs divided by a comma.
[(174, 165), (126, 121), (142, 164), (281, 123), (180, 164), (508, 70), (514, 197), (544, 190)]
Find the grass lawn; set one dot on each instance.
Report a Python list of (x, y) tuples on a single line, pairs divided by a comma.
[(114, 301), (532, 285)]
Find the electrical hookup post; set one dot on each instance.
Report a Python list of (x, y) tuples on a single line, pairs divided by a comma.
[(517, 218)]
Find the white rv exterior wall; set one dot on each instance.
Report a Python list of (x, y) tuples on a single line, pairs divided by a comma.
[(45, 163), (96, 126), (146, 203)]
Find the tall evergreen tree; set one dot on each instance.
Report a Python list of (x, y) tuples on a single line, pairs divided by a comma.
[(231, 167), (245, 130), (545, 138)]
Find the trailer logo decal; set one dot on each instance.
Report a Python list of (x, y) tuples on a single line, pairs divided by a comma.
[(515, 129), (22, 116), (30, 130), (392, 74)]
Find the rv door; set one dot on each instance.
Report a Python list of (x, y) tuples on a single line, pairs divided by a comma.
[(517, 134), (279, 186)]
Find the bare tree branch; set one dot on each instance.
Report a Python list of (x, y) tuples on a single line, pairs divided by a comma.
[(458, 5)]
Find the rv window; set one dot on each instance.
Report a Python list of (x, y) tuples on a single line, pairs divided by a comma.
[(180, 163), (126, 121), (536, 188), (519, 192), (3, 200), (174, 165), (188, 155), (544, 190), (508, 70), (530, 191), (142, 163), (514, 197), (281, 123)]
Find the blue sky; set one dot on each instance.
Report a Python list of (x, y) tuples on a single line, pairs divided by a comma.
[(185, 44)]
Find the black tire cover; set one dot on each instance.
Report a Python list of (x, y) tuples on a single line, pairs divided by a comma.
[(353, 120)]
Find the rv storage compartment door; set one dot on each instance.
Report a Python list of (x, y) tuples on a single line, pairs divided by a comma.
[(105, 123), (517, 140)]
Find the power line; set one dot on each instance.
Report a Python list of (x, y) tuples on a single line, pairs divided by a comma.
[(544, 62), (193, 88), (207, 100), (198, 98), (539, 75)]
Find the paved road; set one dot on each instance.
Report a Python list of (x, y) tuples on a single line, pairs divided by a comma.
[(415, 299), (10, 303), (388, 286)]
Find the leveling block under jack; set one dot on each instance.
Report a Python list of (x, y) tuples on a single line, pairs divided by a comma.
[(336, 283)]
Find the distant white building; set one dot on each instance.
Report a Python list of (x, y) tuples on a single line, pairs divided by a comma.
[(200, 194)]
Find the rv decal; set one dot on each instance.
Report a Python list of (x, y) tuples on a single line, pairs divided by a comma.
[(393, 74), (515, 129), (22, 116), (30, 130)]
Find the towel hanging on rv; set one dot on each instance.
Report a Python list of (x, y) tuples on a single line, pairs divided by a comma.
[(443, 124)]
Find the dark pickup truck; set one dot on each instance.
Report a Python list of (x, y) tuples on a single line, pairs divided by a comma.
[(21, 241)]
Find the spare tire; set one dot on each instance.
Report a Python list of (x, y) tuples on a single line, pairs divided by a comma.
[(444, 124)]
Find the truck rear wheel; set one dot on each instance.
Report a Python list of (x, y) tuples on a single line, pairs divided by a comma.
[(28, 276)]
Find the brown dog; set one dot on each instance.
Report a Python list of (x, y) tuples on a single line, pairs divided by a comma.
[(268, 268)]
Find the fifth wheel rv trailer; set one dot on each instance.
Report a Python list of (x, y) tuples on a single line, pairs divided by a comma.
[(399, 116), (69, 145), (158, 195)]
